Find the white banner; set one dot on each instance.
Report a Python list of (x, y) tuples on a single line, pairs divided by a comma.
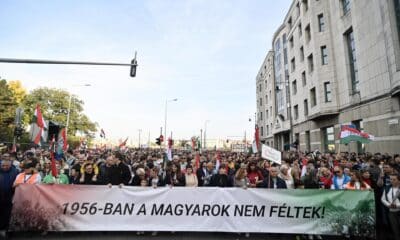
[(99, 208), (271, 154)]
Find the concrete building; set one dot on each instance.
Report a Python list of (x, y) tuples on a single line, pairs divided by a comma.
[(337, 62), (266, 100)]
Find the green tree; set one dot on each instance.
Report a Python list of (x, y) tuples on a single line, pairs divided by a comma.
[(54, 105), (8, 105), (18, 90)]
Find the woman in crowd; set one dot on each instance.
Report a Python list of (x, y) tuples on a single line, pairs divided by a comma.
[(254, 174), (190, 177), (154, 179), (88, 177), (286, 175), (174, 177), (241, 179), (356, 182), (139, 176), (325, 178)]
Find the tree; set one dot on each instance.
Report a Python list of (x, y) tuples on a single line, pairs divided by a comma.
[(8, 105), (18, 90), (54, 105)]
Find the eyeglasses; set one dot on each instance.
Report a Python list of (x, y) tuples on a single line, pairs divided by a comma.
[(337, 172)]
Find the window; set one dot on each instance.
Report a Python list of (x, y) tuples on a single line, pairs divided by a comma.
[(259, 88), (267, 130), (310, 60), (291, 42), (305, 5), (266, 114), (328, 94), (266, 99), (313, 97), (321, 22), (262, 131), (345, 6), (293, 64), (397, 11), (294, 87), (301, 54), (300, 30), (270, 112), (296, 112), (352, 61), (305, 107), (324, 55), (308, 33), (298, 9), (290, 23), (260, 101), (329, 139), (307, 140), (303, 78), (261, 116)]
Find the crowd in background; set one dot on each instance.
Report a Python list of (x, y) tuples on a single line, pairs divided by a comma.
[(146, 168)]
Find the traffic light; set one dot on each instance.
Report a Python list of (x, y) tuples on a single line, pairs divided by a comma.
[(18, 131), (158, 141), (133, 66)]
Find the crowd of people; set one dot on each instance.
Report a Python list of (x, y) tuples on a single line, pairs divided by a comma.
[(146, 168)]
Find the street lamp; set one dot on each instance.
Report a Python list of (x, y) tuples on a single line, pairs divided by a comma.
[(205, 132), (69, 106), (139, 130), (165, 119)]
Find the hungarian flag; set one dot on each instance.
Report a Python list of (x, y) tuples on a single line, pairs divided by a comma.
[(123, 144), (52, 154), (197, 161), (218, 160), (256, 139), (40, 123), (349, 133), (62, 144), (169, 149)]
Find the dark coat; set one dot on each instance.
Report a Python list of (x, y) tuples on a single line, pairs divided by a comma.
[(180, 180), (115, 174), (269, 183), (221, 180)]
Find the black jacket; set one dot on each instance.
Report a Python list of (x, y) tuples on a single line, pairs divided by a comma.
[(115, 174), (269, 183), (220, 180)]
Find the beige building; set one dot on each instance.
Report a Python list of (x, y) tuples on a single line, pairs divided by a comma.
[(336, 62)]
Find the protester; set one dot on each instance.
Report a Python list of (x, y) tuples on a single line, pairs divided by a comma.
[(190, 177), (391, 200), (339, 179), (356, 182), (174, 176), (273, 181), (241, 179), (88, 177), (221, 179), (286, 176), (254, 175), (8, 174), (61, 178), (29, 175)]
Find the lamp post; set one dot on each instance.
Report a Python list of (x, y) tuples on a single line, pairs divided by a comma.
[(69, 106), (140, 131), (205, 132), (165, 119)]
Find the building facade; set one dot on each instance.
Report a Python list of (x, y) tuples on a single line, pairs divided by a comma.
[(337, 62), (266, 100)]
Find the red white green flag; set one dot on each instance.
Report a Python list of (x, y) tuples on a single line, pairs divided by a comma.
[(40, 123), (349, 133)]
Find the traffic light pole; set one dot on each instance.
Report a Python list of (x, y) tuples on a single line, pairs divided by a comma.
[(133, 63)]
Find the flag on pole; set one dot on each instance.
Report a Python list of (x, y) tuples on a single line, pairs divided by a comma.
[(169, 149), (123, 144), (197, 162), (349, 133), (40, 123), (218, 160), (256, 139), (52, 153)]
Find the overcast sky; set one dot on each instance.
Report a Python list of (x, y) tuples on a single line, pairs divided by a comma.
[(206, 53)]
